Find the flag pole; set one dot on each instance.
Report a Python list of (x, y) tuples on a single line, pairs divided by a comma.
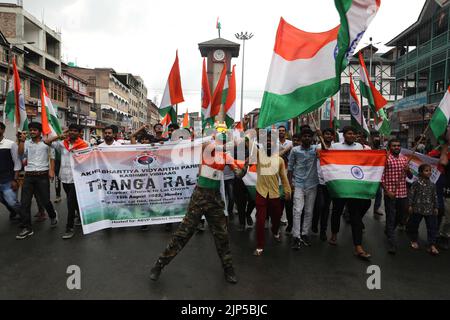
[(318, 129)]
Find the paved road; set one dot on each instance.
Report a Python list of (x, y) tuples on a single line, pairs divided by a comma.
[(115, 264)]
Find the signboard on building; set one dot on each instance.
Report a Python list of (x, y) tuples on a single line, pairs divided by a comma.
[(411, 102)]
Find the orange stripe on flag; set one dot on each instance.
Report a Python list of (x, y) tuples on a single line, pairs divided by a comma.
[(292, 43), (373, 158)]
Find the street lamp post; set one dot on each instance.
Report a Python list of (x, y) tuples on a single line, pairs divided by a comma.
[(243, 36)]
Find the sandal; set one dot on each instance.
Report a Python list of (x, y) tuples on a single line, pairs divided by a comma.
[(363, 255), (258, 252), (414, 245)]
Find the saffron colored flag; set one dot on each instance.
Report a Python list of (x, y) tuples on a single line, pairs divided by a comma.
[(185, 123), (218, 99), (368, 90), (352, 174), (441, 116), (15, 102), (173, 93), (306, 67), (358, 119), (50, 122), (230, 103), (206, 98)]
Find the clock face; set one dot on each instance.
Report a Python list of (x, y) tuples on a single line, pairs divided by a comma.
[(219, 55)]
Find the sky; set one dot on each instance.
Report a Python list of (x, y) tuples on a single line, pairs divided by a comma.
[(141, 36)]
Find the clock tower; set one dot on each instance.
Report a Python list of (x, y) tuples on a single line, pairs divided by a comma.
[(217, 52)]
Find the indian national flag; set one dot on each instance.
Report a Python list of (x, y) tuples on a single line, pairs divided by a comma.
[(250, 180), (382, 124), (50, 122), (173, 94), (230, 103), (206, 98), (352, 174), (306, 67), (358, 119), (368, 90), (15, 102), (219, 98), (439, 122)]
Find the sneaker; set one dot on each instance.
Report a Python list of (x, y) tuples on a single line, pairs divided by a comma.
[(323, 236), (77, 221), (155, 272), (283, 223), (296, 244), (69, 234), (305, 240), (277, 237), (230, 276), (54, 221), (26, 232), (58, 199), (250, 221)]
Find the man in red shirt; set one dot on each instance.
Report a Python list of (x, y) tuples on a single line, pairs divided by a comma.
[(395, 191)]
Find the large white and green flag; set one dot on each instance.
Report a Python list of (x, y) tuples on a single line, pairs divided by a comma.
[(306, 67), (50, 123), (352, 174), (441, 116)]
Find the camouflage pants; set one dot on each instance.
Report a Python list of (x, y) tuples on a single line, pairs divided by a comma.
[(206, 202)]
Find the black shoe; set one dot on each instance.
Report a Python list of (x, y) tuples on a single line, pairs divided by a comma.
[(323, 236), (296, 244), (230, 276), (26, 232), (249, 221), (156, 271), (305, 240), (314, 229)]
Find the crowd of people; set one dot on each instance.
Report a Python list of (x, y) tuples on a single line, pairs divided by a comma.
[(290, 188)]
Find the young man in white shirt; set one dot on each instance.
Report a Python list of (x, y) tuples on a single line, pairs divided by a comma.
[(38, 170), (109, 137)]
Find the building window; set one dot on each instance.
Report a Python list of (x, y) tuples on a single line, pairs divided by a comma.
[(439, 86)]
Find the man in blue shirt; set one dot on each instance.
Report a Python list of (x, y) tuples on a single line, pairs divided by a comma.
[(302, 173)]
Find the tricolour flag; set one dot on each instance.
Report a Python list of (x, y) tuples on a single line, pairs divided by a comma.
[(219, 99), (50, 122), (368, 90), (173, 93), (441, 116), (358, 120), (206, 98), (250, 180), (352, 174), (306, 67), (230, 103), (382, 124), (15, 102)]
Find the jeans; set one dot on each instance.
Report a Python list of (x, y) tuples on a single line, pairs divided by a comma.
[(303, 199), (378, 197), (39, 186), (289, 206), (229, 195), (322, 208), (396, 210), (244, 202), (72, 204), (266, 207), (357, 209), (9, 197), (413, 227)]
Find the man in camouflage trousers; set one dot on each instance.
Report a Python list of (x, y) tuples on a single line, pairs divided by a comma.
[(206, 200)]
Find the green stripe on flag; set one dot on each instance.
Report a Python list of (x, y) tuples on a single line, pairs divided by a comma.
[(10, 106), (172, 113), (352, 189), (438, 123)]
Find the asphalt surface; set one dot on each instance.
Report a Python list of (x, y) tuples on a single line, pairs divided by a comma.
[(115, 264)]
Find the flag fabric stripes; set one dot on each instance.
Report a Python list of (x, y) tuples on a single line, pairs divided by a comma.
[(185, 123), (306, 67), (358, 119), (15, 102), (352, 174), (441, 116), (49, 118), (218, 98), (368, 90), (230, 103), (173, 93), (206, 98), (382, 124)]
